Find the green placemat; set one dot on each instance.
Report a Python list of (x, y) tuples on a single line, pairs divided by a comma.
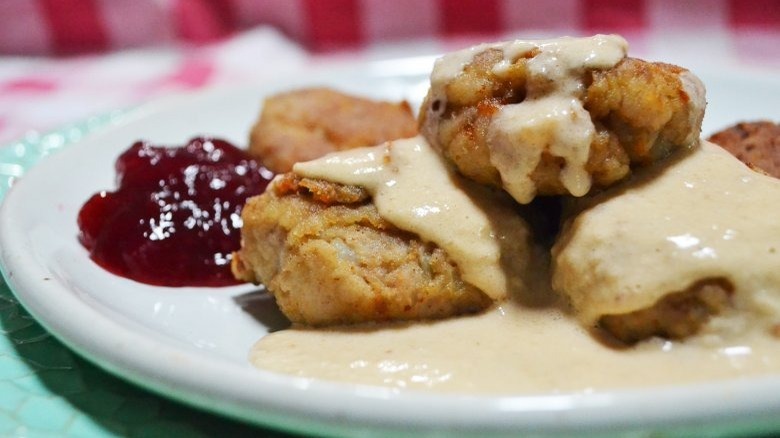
[(46, 390)]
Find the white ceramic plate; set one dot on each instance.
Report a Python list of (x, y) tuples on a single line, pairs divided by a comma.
[(192, 343)]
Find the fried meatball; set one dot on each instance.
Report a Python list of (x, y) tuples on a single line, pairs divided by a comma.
[(327, 256), (663, 254), (756, 144), (540, 118), (305, 124)]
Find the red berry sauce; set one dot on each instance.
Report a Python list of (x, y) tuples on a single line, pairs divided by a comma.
[(176, 217)]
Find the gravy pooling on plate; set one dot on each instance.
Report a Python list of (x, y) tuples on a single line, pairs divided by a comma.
[(543, 347), (676, 214)]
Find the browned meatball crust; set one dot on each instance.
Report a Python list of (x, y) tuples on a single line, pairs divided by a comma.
[(327, 256), (756, 144), (641, 111), (305, 124)]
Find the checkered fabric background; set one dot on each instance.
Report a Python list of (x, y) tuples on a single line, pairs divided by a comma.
[(62, 60)]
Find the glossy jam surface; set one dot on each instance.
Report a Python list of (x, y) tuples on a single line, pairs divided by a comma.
[(175, 218)]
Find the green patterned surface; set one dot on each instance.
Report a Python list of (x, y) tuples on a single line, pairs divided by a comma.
[(45, 389)]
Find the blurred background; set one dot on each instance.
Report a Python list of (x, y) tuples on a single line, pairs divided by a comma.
[(63, 61)]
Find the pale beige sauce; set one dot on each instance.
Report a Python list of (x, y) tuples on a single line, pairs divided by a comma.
[(706, 215), (413, 188), (540, 348), (551, 119)]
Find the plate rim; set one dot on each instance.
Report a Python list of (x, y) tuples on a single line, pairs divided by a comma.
[(308, 405)]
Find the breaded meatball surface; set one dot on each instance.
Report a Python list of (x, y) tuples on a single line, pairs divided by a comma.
[(526, 121), (675, 316), (327, 256), (304, 124), (756, 144), (688, 247)]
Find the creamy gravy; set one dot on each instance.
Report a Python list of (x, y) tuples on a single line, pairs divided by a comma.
[(414, 189), (508, 350), (705, 215), (704, 207), (551, 119)]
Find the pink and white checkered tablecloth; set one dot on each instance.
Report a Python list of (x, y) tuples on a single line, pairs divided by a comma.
[(62, 60)]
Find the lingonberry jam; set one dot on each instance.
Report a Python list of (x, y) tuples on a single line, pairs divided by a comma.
[(175, 218)]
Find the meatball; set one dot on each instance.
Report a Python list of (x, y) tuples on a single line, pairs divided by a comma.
[(675, 316), (305, 124), (327, 256), (539, 120), (756, 144), (688, 247)]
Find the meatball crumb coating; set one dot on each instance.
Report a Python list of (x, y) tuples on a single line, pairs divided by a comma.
[(328, 258), (308, 123), (756, 144), (541, 118)]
